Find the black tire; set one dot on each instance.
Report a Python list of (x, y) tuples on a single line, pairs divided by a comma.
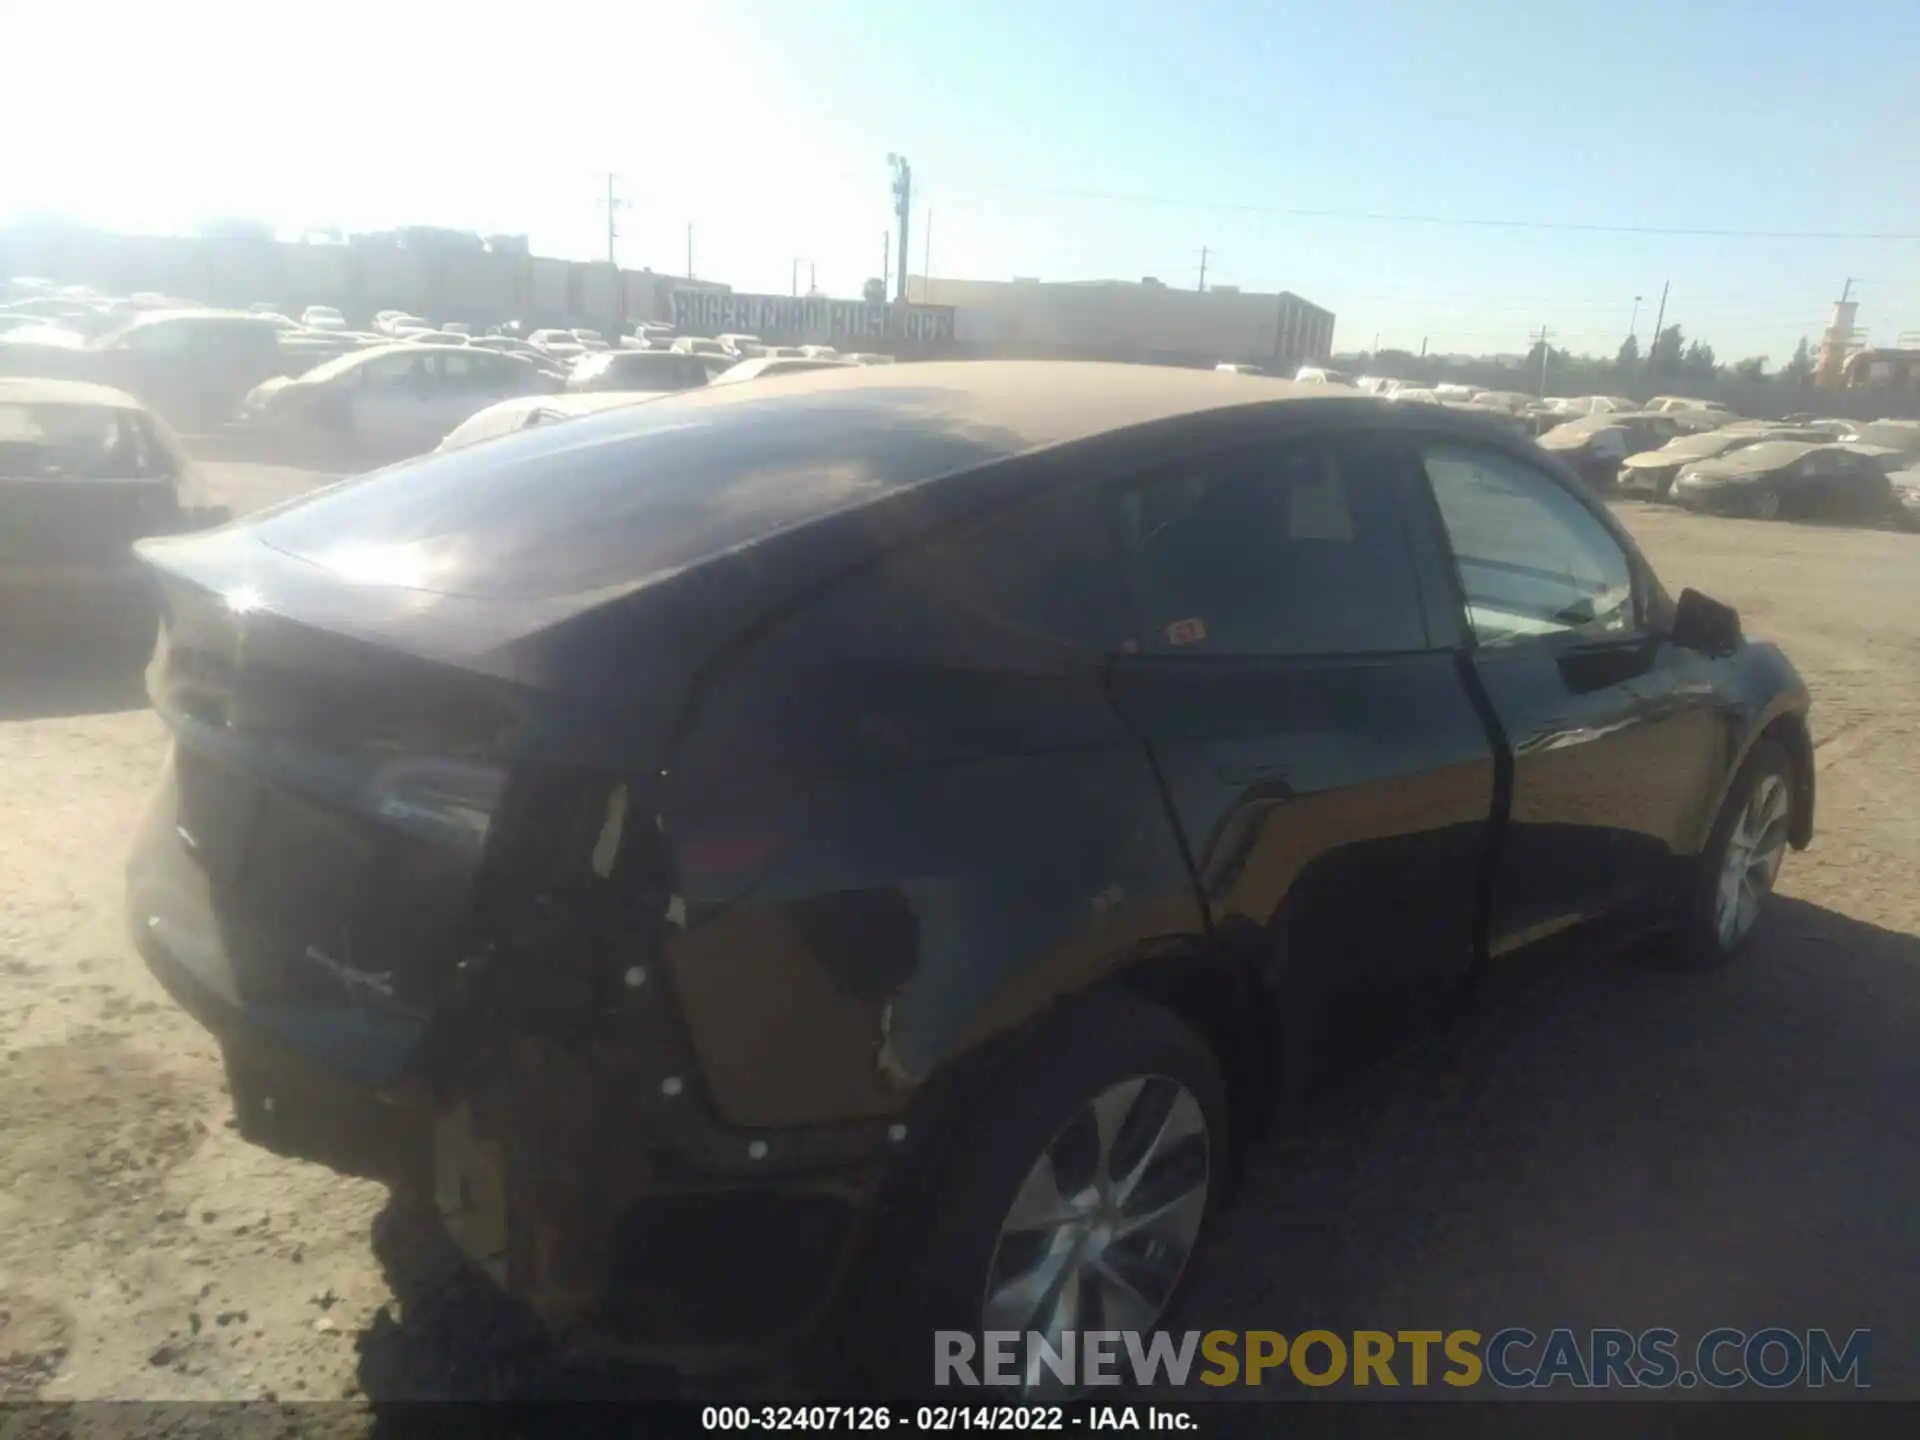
[(934, 1270), (1765, 504), (1700, 945)]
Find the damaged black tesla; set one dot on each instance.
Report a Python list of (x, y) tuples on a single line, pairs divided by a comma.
[(797, 868)]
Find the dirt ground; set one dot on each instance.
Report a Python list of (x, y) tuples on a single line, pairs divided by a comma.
[(1611, 1145)]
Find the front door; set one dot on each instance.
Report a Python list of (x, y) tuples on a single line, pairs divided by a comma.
[(1316, 736), (1615, 735)]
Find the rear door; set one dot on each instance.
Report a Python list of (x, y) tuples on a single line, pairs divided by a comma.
[(1318, 741), (1615, 735)]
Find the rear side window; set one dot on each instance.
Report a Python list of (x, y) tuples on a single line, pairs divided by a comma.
[(1284, 549), (988, 640), (1532, 559)]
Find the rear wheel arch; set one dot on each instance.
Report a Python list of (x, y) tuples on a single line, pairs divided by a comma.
[(1789, 732), (1218, 992)]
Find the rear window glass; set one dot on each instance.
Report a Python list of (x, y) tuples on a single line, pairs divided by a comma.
[(626, 495), (77, 442)]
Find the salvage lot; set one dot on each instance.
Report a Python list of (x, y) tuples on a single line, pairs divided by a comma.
[(1608, 1145)]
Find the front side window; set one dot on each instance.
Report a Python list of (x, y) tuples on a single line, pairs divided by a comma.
[(1532, 560), (1296, 549)]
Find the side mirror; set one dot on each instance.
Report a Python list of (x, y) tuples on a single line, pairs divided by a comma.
[(1704, 624)]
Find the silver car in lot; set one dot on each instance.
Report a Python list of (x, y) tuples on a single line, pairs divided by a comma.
[(391, 400)]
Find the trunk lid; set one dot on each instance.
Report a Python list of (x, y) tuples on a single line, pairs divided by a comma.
[(355, 775)]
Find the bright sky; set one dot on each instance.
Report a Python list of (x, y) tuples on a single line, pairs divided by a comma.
[(1065, 139)]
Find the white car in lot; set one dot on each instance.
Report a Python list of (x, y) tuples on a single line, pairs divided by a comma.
[(392, 400), (745, 346), (557, 344), (506, 417), (322, 317), (768, 366), (399, 322)]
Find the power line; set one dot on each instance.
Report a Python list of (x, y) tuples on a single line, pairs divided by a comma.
[(1481, 222)]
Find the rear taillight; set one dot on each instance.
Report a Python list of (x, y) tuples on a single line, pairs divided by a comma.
[(452, 802)]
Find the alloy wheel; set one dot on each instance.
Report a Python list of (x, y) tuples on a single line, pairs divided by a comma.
[(1766, 505), (1104, 1223), (1754, 852)]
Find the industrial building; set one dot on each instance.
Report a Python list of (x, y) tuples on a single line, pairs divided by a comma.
[(1146, 322)]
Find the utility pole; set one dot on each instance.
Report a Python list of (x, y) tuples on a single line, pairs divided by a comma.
[(1203, 269), (886, 262), (1376, 342), (614, 204), (1846, 290), (794, 288), (1633, 325), (926, 251), (813, 278), (689, 250), (1659, 316), (902, 209), (1423, 347), (1545, 351)]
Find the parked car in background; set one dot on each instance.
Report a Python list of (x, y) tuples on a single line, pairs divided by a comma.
[(700, 345), (1652, 472), (435, 337), (1511, 401), (398, 322), (524, 412), (820, 352), (1694, 420), (1665, 404), (1887, 457), (1321, 375), (869, 357), (1787, 479), (557, 344), (592, 339), (1235, 367), (322, 317), (192, 366), (1594, 445), (745, 346), (654, 371), (391, 400), (1901, 435), (770, 863), (457, 327), (769, 366), (1906, 490), (508, 345), (85, 471), (1575, 405)]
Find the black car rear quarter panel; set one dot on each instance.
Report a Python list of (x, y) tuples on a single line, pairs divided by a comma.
[(907, 817)]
